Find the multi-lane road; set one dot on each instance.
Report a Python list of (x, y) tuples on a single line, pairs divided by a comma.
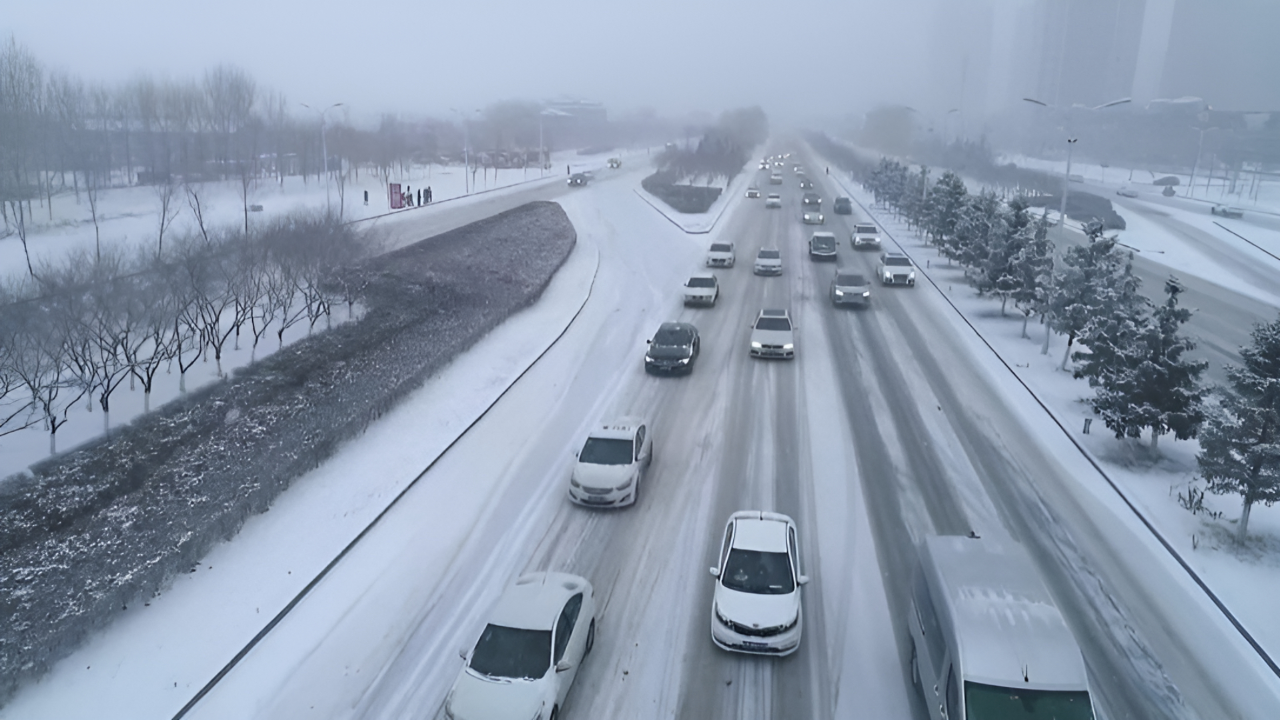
[(887, 426)]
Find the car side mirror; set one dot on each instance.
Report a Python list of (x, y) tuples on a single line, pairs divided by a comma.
[(802, 580), (715, 572), (563, 665), (575, 453), (462, 653)]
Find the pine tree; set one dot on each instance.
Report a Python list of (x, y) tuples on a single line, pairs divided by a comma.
[(1113, 334), (1240, 441), (947, 198), (1032, 268), (1092, 276)]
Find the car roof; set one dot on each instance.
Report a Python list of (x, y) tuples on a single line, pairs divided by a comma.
[(773, 312), (854, 277), (865, 228), (1008, 630), (894, 253), (760, 530), (535, 600), (825, 234), (705, 276), (623, 428)]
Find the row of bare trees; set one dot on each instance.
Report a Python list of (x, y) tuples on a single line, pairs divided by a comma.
[(75, 331)]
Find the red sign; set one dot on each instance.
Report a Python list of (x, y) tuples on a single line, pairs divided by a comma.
[(397, 197)]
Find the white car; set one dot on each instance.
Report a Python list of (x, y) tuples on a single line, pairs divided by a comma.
[(773, 335), (768, 262), (721, 255), (611, 464), (813, 217), (753, 192), (525, 661), (865, 236), (773, 201), (895, 268), (701, 290), (1127, 191), (756, 604), (775, 179)]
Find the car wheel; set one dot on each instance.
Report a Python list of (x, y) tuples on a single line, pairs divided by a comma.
[(591, 637)]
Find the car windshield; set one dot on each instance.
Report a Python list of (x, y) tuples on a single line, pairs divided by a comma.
[(762, 573), (702, 282), (606, 451), (850, 279), (773, 323), (865, 229), (770, 254), (668, 337), (824, 242), (991, 702), (897, 261), (720, 247), (512, 652)]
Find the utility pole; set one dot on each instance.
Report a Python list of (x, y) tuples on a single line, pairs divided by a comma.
[(1066, 184), (324, 149)]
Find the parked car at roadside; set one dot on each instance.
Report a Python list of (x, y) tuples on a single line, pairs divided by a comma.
[(1227, 211)]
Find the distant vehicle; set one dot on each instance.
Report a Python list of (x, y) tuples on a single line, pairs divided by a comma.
[(775, 179), (768, 262), (773, 201), (895, 268), (986, 633), (777, 164), (701, 290), (721, 255), (673, 349), (806, 184), (1168, 181), (1127, 191), (753, 192), (578, 179), (529, 653), (773, 335), (811, 198), (764, 165), (822, 246), (1075, 178), (611, 464), (813, 217), (615, 163), (1227, 211), (755, 607), (843, 206), (799, 169), (850, 287), (865, 236)]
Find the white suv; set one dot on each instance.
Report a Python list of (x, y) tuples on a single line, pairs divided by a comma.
[(721, 255), (865, 236), (756, 607), (895, 268), (701, 290), (611, 464)]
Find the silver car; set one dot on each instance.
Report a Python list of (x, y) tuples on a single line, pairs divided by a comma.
[(773, 335), (850, 288)]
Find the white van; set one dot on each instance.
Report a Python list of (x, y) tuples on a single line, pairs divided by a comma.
[(987, 640)]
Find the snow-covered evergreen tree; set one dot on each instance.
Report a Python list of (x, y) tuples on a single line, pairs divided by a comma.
[(1240, 440), (1092, 278), (1031, 267), (1142, 379), (974, 227), (947, 198)]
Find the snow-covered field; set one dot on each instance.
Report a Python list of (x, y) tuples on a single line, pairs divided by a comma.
[(128, 218), (1245, 577)]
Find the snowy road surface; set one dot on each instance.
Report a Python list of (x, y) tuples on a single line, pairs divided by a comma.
[(891, 423)]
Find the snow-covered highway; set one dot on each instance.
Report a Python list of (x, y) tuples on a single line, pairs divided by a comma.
[(891, 423)]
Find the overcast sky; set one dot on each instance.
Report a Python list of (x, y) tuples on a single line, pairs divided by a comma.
[(675, 56)]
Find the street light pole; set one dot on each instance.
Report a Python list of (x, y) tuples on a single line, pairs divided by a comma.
[(1066, 184), (1191, 186), (466, 148), (324, 149)]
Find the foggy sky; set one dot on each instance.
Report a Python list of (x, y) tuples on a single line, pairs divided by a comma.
[(797, 58)]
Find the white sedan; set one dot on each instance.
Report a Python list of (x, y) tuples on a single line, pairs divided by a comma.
[(614, 459), (701, 290), (756, 604), (528, 655)]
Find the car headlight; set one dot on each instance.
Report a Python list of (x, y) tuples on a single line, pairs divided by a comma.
[(648, 359), (839, 293), (911, 275), (683, 361), (866, 293), (574, 482), (788, 346), (755, 345), (715, 607)]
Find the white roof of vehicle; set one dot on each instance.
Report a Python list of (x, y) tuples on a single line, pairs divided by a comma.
[(773, 313), (534, 602), (761, 531), (824, 234), (865, 229), (623, 428), (1009, 631)]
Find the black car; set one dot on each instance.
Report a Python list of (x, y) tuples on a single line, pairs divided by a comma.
[(843, 206), (806, 184), (673, 349), (578, 180), (811, 199)]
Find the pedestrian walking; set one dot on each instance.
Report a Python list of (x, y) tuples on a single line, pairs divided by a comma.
[(366, 198), (428, 194), (566, 170), (409, 191), (419, 197)]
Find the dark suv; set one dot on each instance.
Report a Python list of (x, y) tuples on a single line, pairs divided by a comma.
[(673, 349), (843, 206)]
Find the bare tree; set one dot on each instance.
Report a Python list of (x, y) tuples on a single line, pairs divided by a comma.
[(197, 209), (169, 210)]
